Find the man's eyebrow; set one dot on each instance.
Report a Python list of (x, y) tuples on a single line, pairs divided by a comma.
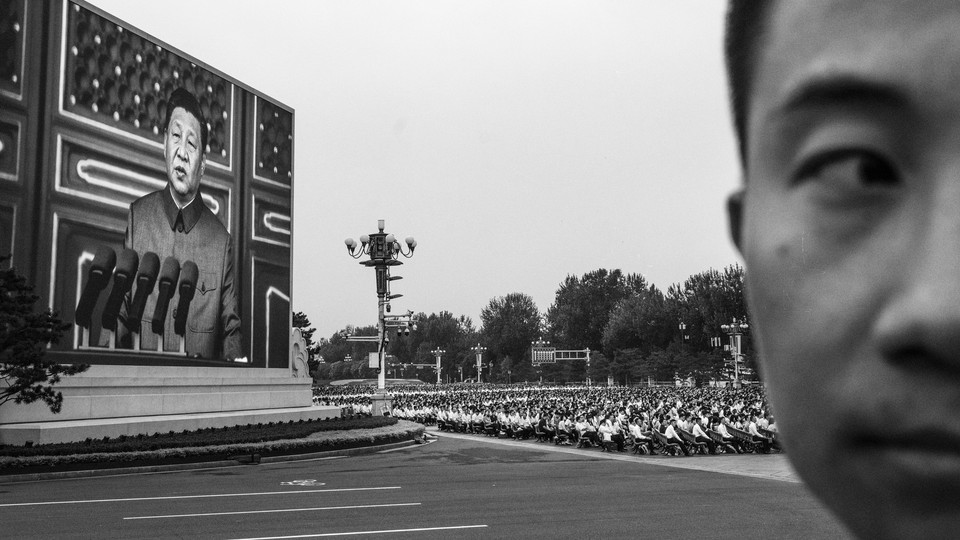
[(843, 90)]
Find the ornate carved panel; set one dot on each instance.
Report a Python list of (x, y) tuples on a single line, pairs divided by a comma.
[(13, 29), (273, 147), (120, 81)]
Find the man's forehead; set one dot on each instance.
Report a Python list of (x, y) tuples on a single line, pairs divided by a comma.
[(894, 54), (891, 38), (185, 119)]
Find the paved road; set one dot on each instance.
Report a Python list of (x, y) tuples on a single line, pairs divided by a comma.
[(453, 488)]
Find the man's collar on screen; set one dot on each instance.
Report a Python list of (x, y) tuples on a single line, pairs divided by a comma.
[(184, 218)]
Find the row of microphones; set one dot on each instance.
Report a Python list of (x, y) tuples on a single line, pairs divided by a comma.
[(139, 276)]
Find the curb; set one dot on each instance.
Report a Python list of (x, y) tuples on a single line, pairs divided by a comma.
[(174, 467)]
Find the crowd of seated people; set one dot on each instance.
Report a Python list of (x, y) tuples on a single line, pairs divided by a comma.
[(647, 420)]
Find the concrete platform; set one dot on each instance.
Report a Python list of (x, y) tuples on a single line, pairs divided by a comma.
[(78, 430)]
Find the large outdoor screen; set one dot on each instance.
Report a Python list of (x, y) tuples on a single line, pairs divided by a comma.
[(96, 151)]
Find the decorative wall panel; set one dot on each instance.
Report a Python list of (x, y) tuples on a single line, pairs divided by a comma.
[(273, 150)]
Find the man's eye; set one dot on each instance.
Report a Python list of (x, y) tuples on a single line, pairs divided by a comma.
[(849, 168)]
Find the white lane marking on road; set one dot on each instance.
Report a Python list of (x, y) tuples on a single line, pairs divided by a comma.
[(307, 482), (209, 496), (351, 533), (298, 461), (406, 447), (275, 511)]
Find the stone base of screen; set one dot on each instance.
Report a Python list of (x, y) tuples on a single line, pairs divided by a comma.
[(108, 401)]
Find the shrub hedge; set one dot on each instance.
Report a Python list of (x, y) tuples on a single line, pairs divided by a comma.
[(317, 441), (255, 433)]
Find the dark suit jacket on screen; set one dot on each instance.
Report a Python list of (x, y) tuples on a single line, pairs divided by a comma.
[(194, 234)]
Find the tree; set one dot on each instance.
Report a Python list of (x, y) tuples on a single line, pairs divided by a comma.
[(509, 324), (708, 300), (582, 306), (639, 321), (24, 335), (453, 334), (704, 303), (301, 321)]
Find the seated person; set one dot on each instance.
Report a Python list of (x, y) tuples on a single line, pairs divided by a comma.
[(640, 438), (587, 430), (672, 436), (764, 442), (701, 437), (728, 439), (610, 431), (544, 425), (566, 429)]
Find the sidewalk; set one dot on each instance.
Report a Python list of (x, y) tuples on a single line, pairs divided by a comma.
[(765, 466)]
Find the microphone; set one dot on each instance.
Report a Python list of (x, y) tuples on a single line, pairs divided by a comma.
[(146, 279), (97, 278), (167, 281), (188, 285), (123, 276)]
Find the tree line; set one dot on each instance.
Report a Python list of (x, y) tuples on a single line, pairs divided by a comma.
[(635, 333)]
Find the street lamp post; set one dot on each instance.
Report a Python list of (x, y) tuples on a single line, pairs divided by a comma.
[(438, 352), (735, 330), (479, 349), (384, 250)]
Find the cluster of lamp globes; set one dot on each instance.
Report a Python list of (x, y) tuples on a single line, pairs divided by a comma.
[(390, 239)]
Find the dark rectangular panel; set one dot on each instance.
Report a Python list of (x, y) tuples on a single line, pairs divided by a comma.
[(76, 240), (270, 313)]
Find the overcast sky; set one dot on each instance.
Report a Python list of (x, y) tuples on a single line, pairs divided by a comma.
[(518, 141)]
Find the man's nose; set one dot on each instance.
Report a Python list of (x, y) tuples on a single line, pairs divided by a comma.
[(920, 326), (181, 153)]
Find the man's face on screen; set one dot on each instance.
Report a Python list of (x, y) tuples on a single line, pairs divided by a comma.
[(183, 154), (851, 237)]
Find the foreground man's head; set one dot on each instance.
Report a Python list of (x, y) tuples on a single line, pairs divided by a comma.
[(848, 115)]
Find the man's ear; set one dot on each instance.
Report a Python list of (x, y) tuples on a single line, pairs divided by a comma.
[(735, 217), (203, 164)]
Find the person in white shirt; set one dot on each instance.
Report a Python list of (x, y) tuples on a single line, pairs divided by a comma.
[(763, 441), (671, 434), (639, 437), (702, 437)]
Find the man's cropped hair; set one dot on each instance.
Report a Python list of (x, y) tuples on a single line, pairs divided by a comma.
[(745, 28)]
